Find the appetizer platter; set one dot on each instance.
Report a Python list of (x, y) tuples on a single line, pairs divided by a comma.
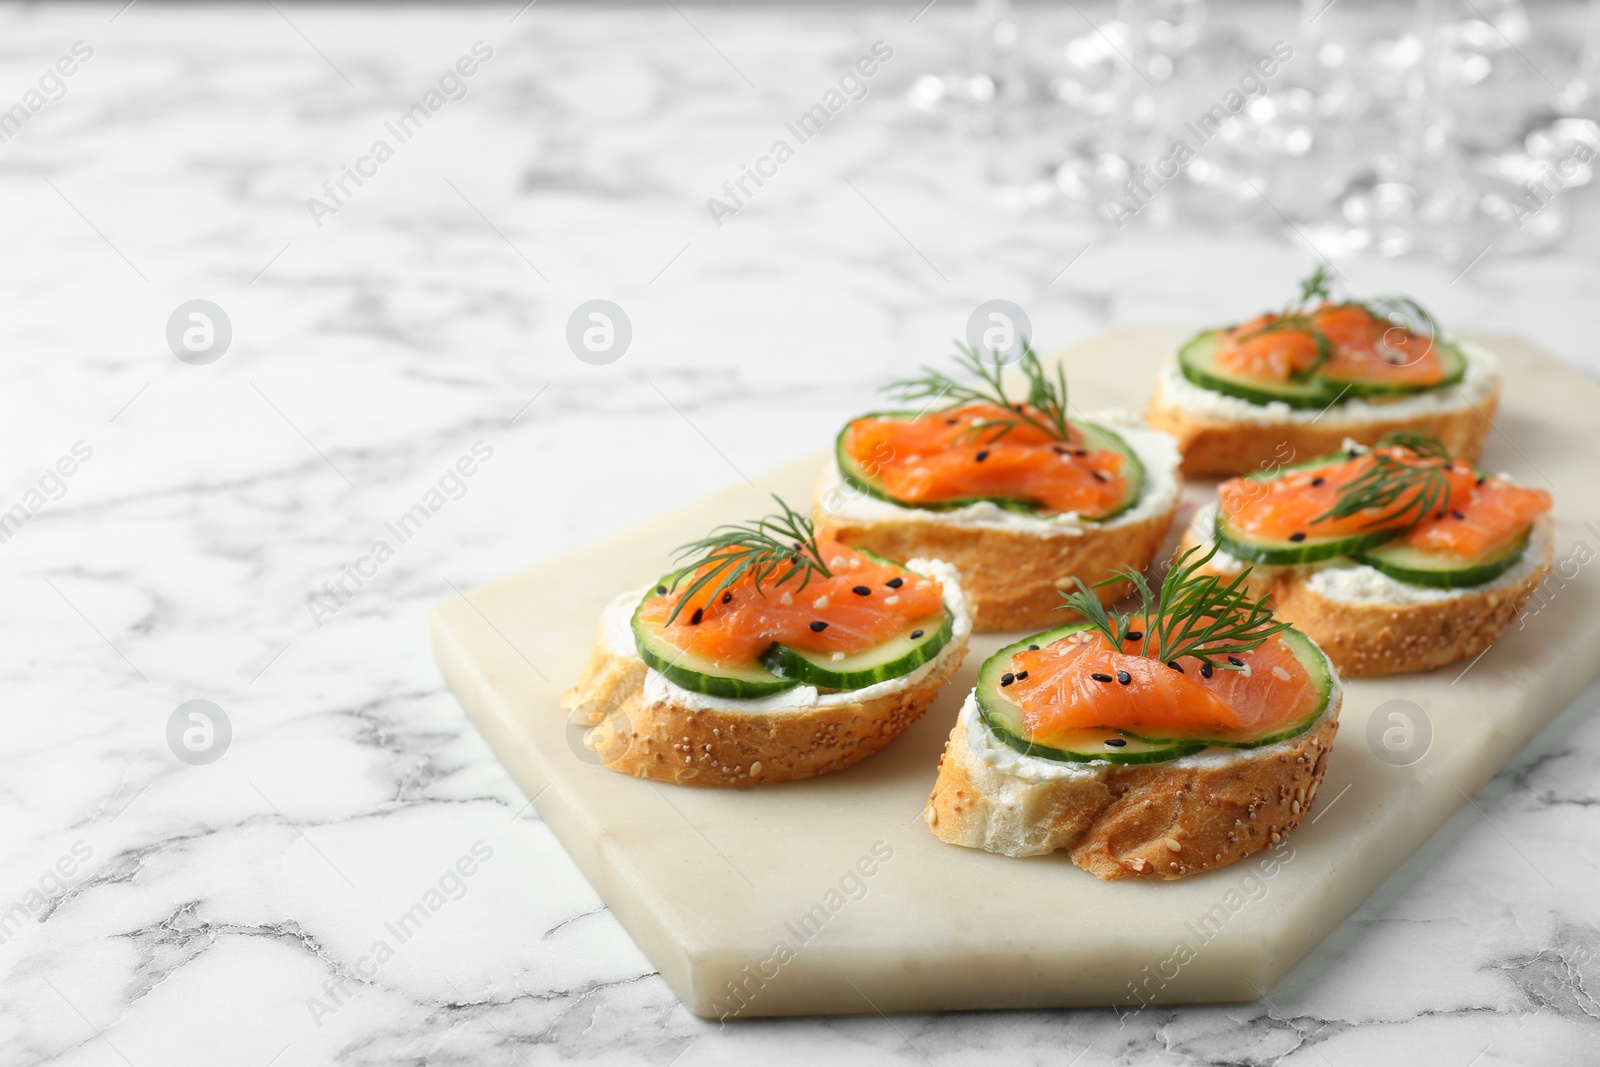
[(925, 702)]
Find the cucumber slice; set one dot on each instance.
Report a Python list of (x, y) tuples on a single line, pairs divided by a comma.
[(1316, 664), (699, 674), (1197, 361), (1455, 368), (1003, 717), (1095, 437), (1407, 563), (899, 655), (1279, 552)]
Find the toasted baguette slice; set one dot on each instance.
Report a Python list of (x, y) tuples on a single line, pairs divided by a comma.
[(1370, 624), (1222, 435), (641, 724), (1014, 568), (1153, 820)]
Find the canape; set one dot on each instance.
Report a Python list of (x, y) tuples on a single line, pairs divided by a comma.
[(769, 654), (1395, 558), (1156, 744), (1008, 489), (1294, 384)]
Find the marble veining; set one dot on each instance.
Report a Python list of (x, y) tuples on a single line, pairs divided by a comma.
[(166, 913)]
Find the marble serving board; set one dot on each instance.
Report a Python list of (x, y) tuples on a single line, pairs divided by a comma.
[(831, 896)]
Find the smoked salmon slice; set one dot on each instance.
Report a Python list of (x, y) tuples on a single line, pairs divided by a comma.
[(864, 602), (982, 451)]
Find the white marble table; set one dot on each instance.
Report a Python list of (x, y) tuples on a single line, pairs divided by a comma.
[(158, 912)]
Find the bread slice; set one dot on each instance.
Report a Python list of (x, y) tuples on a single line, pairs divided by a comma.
[(1221, 435), (641, 724), (1014, 568), (1371, 625), (1154, 820)]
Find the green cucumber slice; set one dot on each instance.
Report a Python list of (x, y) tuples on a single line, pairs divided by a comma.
[(700, 675), (1095, 437), (1003, 717), (1455, 368), (1280, 552), (1316, 664), (1197, 361), (899, 655), (1405, 562)]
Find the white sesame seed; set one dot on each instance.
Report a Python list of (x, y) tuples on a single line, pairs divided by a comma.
[(837, 656), (786, 598), (755, 768), (891, 600), (1174, 845), (1280, 674), (838, 563), (820, 603)]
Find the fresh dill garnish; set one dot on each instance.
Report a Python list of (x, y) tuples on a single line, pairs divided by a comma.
[(1192, 613), (784, 544), (1045, 395), (1402, 492), (1319, 286)]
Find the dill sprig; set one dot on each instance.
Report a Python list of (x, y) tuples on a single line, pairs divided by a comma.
[(1400, 491), (1046, 395), (784, 544), (1318, 286), (1192, 613)]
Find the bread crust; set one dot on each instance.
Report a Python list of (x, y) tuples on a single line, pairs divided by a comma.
[(1213, 446), (668, 742), (1124, 821), (1369, 640), (1013, 580)]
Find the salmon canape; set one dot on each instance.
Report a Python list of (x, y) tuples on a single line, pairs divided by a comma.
[(1292, 384), (1005, 487), (1153, 744), (1395, 558), (770, 653)]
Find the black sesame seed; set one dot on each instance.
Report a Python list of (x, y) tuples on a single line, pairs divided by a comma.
[(1454, 514), (1298, 535), (1116, 742), (661, 590), (818, 626), (1097, 676), (915, 634), (1021, 675), (1124, 677), (895, 583), (1207, 670), (1081, 452), (1134, 635), (1007, 678), (1033, 648), (1017, 406), (861, 590), (727, 598), (1449, 466), (1318, 480), (981, 456), (1354, 453), (1101, 476), (1175, 665), (1481, 480), (699, 613), (1236, 661), (950, 422)]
